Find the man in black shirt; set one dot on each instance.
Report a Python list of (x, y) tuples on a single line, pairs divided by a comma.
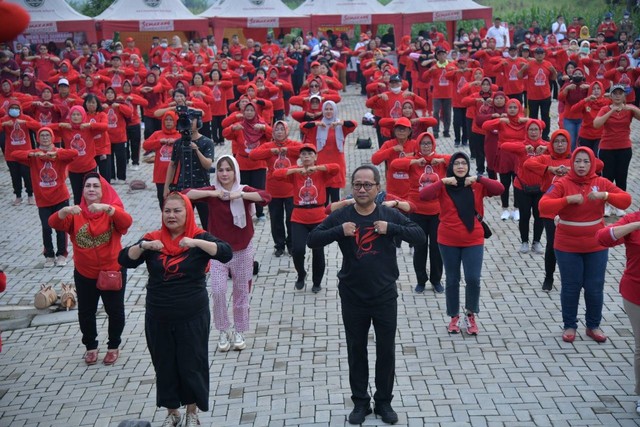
[(367, 285)]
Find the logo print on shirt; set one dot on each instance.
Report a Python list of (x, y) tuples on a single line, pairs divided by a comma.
[(45, 118), (282, 162), (513, 73), (116, 81), (171, 265), (18, 136), (461, 83), (308, 193), (48, 176), (444, 81), (77, 143), (540, 79), (112, 118), (427, 177), (165, 153), (396, 111), (217, 95), (365, 236)]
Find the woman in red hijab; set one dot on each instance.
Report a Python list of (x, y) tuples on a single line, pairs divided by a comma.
[(178, 320), (95, 228)]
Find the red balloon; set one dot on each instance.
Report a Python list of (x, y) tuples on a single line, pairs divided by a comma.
[(14, 20)]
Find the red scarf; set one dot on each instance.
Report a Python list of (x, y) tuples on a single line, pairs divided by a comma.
[(252, 135), (100, 222)]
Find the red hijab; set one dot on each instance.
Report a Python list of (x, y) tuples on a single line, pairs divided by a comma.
[(592, 170), (172, 246), (251, 135), (514, 121), (100, 222)]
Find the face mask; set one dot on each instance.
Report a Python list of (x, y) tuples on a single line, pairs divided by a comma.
[(163, 45), (395, 90), (119, 51), (265, 68), (14, 112)]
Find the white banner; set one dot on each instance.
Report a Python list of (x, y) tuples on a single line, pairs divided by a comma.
[(41, 27), (266, 22), (447, 15), (356, 19), (157, 25)]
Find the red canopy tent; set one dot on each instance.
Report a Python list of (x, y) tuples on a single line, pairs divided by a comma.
[(252, 14), (449, 11), (150, 15), (56, 16)]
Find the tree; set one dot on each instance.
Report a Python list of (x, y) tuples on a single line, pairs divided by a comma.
[(95, 7)]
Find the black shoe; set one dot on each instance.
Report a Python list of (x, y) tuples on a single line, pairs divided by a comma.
[(316, 288), (278, 253), (256, 267), (435, 135), (300, 282), (359, 413), (446, 135), (438, 288), (456, 144), (386, 412), (547, 285)]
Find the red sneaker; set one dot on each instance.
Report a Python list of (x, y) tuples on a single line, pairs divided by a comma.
[(472, 327), (454, 325)]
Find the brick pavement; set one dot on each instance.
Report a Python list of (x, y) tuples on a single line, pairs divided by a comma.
[(517, 372)]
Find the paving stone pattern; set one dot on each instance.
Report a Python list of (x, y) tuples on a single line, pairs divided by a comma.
[(516, 372)]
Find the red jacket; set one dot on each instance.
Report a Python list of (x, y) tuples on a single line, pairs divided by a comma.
[(117, 115), (17, 136), (289, 151), (397, 180)]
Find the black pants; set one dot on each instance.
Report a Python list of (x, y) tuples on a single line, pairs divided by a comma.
[(256, 179), (542, 107), (76, 179), (216, 129), (133, 149), (206, 129), (280, 209), (151, 125), (549, 252), (119, 161), (61, 237), (180, 356), (160, 194), (528, 202), (88, 296), (477, 150), (442, 113), (459, 125), (616, 165), (518, 96), (333, 195), (19, 174), (357, 320), (278, 115), (506, 179), (594, 144), (299, 234), (429, 224), (104, 166), (203, 212), (468, 125), (297, 79)]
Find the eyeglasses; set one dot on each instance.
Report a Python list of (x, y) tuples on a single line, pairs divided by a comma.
[(367, 185), (314, 85), (460, 163), (426, 144)]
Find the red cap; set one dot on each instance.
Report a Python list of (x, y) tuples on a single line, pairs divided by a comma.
[(315, 64), (129, 39), (309, 147), (403, 121)]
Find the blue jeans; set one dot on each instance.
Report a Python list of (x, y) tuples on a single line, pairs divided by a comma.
[(471, 259), (573, 127), (578, 271)]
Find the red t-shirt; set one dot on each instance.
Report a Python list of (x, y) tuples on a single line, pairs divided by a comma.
[(161, 143), (283, 160), (616, 131), (538, 83)]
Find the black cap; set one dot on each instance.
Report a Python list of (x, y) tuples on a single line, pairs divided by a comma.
[(395, 78), (115, 57), (539, 50), (440, 50), (155, 66), (618, 87), (513, 47)]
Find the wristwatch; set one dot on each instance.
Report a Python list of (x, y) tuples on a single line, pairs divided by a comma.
[(242, 194)]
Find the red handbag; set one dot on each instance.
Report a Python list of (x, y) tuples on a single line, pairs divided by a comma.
[(109, 281)]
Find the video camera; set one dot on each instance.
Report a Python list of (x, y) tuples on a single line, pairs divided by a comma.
[(185, 115)]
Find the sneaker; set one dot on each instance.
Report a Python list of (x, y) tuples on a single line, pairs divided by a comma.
[(300, 282), (515, 215), (620, 213), (238, 341), (190, 420), (386, 412), (524, 248), (638, 407), (17, 201), (223, 342), (61, 261), (537, 248), (419, 288), (278, 253), (607, 210), (472, 327), (547, 285), (49, 262), (172, 420), (438, 288), (446, 135), (359, 413), (456, 144), (135, 167), (32, 201), (505, 215), (316, 288), (454, 325), (261, 219)]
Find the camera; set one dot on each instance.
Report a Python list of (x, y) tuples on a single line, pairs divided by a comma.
[(184, 119)]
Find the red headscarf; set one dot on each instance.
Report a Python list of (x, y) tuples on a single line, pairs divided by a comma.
[(592, 170), (534, 142), (172, 246), (514, 121), (554, 135), (251, 135), (100, 222)]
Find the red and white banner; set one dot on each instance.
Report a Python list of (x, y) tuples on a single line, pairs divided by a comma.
[(157, 25), (266, 22), (41, 27), (447, 15), (363, 19)]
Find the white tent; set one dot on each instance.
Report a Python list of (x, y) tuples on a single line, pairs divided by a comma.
[(347, 12), (150, 15), (51, 16)]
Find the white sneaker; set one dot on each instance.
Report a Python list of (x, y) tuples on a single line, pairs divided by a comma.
[(223, 342), (238, 342), (638, 407), (537, 248), (61, 261), (515, 215), (505, 215), (620, 213), (190, 420), (49, 262), (524, 248), (172, 420), (135, 167), (607, 210)]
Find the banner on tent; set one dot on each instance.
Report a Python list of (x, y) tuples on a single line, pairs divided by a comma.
[(447, 15), (41, 27), (265, 22), (338, 29), (157, 25), (362, 19)]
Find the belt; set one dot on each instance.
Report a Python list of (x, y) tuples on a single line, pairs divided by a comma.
[(579, 223), (306, 206)]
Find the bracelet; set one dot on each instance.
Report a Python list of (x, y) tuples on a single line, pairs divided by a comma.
[(110, 210), (140, 244), (606, 195), (397, 203), (242, 194)]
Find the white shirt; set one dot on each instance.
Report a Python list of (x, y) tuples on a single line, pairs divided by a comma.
[(559, 30), (501, 35)]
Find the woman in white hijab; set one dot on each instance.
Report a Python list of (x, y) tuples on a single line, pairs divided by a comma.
[(231, 206)]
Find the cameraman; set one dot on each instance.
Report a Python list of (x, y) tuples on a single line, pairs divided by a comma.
[(192, 156)]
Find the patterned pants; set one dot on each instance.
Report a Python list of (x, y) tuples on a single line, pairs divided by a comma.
[(241, 269)]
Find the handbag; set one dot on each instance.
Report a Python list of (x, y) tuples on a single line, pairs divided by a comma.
[(363, 143), (487, 231), (109, 281)]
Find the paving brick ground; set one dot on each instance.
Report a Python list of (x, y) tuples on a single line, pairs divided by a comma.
[(517, 372)]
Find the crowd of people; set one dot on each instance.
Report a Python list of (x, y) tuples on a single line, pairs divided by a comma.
[(91, 113)]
